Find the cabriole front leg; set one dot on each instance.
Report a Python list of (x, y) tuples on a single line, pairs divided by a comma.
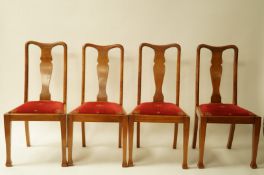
[(7, 124), (63, 140), (186, 126), (131, 134), (203, 124), (70, 138), (255, 141), (124, 129)]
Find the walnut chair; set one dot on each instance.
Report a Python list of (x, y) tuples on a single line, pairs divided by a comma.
[(45, 109), (159, 111), (218, 112), (101, 110)]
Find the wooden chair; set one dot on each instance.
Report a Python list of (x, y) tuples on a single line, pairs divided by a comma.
[(45, 109), (101, 110), (158, 110), (218, 112)]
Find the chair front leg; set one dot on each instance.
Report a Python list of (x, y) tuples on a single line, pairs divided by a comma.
[(124, 129), (130, 141), (83, 135), (186, 126), (203, 124), (63, 140), (8, 126), (255, 141), (70, 138), (175, 136), (120, 135), (27, 133), (195, 129), (231, 136)]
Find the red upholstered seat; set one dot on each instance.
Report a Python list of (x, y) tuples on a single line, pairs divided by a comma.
[(100, 108), (220, 109), (158, 108), (43, 106)]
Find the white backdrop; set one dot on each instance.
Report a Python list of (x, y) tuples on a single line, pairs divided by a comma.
[(188, 23)]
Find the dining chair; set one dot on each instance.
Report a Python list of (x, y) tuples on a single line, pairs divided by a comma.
[(44, 109), (218, 112), (101, 110), (159, 111)]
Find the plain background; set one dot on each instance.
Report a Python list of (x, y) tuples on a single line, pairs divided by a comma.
[(186, 22)]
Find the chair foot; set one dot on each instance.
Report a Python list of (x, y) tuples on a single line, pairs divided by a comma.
[(8, 164), (184, 166), (130, 163), (174, 147), (64, 164), (253, 165), (200, 165), (70, 163), (124, 164)]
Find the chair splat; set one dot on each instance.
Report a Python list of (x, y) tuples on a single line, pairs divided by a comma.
[(159, 72), (46, 72), (102, 72), (102, 69), (216, 74), (159, 69)]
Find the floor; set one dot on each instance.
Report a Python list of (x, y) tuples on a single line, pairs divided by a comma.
[(101, 156)]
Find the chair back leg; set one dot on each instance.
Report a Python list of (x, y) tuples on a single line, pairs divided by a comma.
[(27, 133), (195, 130), (120, 135), (83, 135), (138, 134), (175, 136), (231, 136)]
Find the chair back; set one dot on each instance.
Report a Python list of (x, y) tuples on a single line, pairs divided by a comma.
[(103, 70), (159, 70), (216, 71), (46, 67)]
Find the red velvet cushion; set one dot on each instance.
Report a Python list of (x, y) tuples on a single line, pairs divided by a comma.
[(219, 109), (158, 108), (100, 108), (43, 106)]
